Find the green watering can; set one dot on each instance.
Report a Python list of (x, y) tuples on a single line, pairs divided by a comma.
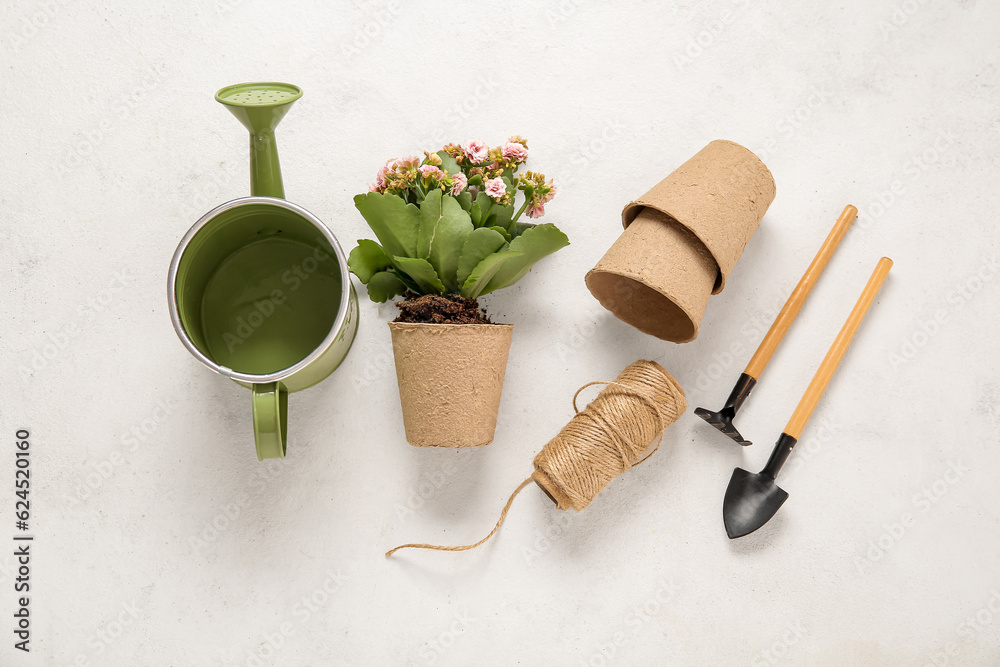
[(259, 287)]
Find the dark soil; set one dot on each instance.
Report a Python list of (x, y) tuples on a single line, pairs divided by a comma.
[(441, 309)]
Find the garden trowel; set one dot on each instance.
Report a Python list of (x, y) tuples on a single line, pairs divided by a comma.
[(752, 499)]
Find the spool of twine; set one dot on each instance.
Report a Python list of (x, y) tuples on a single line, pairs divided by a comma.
[(614, 433)]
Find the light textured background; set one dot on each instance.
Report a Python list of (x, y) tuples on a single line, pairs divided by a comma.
[(112, 146)]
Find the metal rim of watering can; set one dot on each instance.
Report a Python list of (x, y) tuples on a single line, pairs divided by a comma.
[(335, 330)]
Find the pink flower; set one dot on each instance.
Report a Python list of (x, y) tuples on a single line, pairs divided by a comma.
[(404, 163), (495, 187), (458, 183), (476, 151), (431, 175), (535, 211), (380, 177), (514, 151), (547, 197)]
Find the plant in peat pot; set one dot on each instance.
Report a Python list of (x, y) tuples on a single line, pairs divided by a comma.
[(449, 231)]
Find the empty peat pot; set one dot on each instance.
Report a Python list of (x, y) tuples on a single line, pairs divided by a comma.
[(258, 287), (682, 240)]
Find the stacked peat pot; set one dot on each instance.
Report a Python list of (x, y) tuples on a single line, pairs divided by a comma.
[(682, 240), (450, 231)]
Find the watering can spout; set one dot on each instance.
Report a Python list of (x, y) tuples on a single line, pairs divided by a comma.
[(260, 107)]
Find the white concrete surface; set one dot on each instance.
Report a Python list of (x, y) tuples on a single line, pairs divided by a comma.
[(112, 146)]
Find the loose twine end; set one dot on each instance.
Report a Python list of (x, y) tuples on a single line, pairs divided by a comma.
[(612, 434), (503, 515)]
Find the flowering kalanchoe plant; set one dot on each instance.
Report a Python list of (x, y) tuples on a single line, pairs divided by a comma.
[(447, 224)]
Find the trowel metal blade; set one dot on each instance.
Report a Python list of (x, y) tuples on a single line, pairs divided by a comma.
[(751, 500)]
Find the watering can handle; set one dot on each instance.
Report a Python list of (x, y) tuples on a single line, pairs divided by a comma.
[(270, 419)]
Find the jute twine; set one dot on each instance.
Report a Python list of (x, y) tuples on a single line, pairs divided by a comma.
[(615, 432)]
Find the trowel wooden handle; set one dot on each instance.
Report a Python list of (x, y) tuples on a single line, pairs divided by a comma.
[(798, 296), (837, 350)]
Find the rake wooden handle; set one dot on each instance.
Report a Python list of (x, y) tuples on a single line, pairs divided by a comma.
[(826, 369), (798, 296)]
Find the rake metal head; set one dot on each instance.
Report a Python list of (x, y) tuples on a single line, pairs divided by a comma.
[(723, 421)]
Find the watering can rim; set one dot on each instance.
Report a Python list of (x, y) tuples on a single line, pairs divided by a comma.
[(335, 329)]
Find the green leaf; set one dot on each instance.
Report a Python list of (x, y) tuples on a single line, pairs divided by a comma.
[(532, 245), (394, 222), (480, 244), (484, 202), (519, 228), (368, 259), (500, 216), (407, 281), (500, 230), (484, 206), (384, 285), (485, 270), (444, 226), (465, 199), (453, 228), (448, 163), (422, 273), (430, 213)]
